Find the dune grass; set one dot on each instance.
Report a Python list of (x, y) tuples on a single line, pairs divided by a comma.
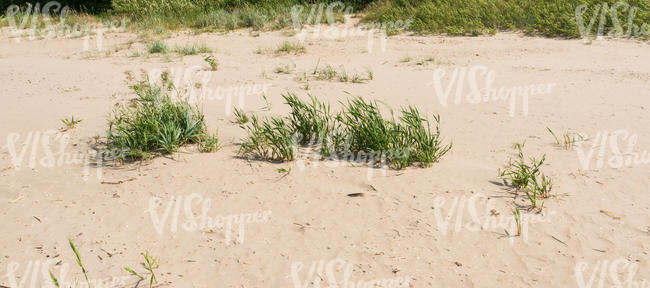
[(358, 128), (451, 17), (156, 124), (476, 17)]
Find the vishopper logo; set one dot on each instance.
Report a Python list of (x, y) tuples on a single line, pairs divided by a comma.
[(37, 274), (314, 18), (480, 80), (617, 30), (312, 154), (42, 24), (338, 269), (45, 144), (189, 221), (619, 272), (193, 84), (609, 151), (461, 206)]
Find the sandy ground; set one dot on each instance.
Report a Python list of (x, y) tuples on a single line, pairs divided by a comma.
[(597, 228)]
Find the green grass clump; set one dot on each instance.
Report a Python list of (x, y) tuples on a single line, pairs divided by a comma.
[(358, 128), (156, 124), (527, 176), (158, 47)]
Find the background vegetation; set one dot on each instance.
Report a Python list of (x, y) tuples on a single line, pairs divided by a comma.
[(453, 17)]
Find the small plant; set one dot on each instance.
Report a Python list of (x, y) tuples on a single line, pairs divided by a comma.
[(528, 177), (569, 139), (267, 103), (517, 214), (150, 264), (70, 122), (212, 62), (290, 47), (209, 143), (240, 116), (76, 253), (158, 47)]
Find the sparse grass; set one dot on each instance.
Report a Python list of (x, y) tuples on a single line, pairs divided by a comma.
[(158, 47), (569, 139), (330, 73), (214, 64), (528, 177), (286, 69), (192, 50), (155, 124), (150, 263), (290, 47), (360, 125), (70, 122)]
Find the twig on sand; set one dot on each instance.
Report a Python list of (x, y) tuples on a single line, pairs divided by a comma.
[(118, 182)]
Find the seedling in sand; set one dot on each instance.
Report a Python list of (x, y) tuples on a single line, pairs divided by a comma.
[(528, 177), (76, 253), (71, 122), (517, 215), (212, 62), (150, 264)]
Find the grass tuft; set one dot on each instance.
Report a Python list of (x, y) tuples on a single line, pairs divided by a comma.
[(158, 47), (155, 123)]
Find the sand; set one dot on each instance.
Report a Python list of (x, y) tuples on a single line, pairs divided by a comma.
[(397, 231)]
